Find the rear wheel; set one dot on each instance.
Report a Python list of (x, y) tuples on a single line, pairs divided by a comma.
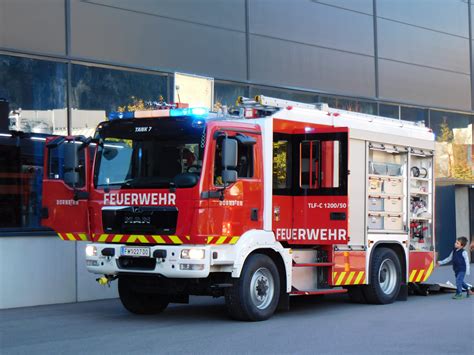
[(138, 302), (255, 295), (385, 277)]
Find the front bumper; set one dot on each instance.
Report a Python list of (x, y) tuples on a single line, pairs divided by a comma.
[(216, 259)]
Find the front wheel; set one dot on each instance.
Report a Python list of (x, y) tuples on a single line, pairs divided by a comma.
[(138, 302), (385, 277), (255, 295)]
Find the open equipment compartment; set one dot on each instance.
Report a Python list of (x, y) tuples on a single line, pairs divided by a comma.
[(386, 192), (421, 200)]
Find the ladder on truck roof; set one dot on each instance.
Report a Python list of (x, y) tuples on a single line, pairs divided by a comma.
[(272, 105)]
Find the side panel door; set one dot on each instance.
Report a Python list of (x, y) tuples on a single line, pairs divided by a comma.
[(65, 189), (319, 189)]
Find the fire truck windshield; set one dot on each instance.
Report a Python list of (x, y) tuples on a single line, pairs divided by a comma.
[(149, 153)]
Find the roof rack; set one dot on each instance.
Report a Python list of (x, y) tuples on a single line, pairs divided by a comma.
[(271, 105)]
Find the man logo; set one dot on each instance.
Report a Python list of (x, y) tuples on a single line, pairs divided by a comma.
[(137, 220)]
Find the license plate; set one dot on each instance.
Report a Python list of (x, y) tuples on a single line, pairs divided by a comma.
[(135, 251)]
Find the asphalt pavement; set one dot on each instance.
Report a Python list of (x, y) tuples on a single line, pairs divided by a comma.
[(434, 324)]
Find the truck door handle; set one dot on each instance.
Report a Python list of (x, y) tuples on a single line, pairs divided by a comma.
[(338, 216), (254, 214)]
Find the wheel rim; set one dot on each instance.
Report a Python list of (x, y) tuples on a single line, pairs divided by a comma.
[(262, 288), (387, 276)]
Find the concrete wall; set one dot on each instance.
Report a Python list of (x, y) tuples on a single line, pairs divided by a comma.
[(45, 270)]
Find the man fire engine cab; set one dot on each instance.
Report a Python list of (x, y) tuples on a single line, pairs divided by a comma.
[(281, 199)]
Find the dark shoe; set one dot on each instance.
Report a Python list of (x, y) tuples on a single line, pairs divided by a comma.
[(457, 296)]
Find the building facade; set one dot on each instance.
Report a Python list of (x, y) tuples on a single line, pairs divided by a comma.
[(64, 64)]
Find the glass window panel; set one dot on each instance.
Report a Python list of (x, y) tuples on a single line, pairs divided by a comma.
[(36, 94), (454, 144), (98, 91), (414, 114), (284, 94), (350, 104), (36, 91), (391, 111), (227, 94), (21, 174)]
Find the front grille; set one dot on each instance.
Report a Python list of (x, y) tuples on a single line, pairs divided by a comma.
[(131, 263), (140, 220)]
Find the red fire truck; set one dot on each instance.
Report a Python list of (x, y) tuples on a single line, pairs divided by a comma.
[(279, 199)]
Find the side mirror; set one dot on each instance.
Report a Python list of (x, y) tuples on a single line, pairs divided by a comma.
[(229, 153), (71, 164)]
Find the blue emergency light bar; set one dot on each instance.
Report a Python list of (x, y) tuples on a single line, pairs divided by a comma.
[(174, 112)]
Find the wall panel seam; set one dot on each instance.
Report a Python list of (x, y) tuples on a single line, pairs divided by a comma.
[(341, 8), (425, 66), (164, 17), (312, 45), (422, 27)]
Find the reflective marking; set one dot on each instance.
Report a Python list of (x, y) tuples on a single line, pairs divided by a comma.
[(158, 239), (142, 239), (175, 239), (221, 240), (70, 236), (359, 278), (349, 278), (412, 275), (234, 240), (428, 273), (132, 238), (117, 238), (420, 275), (82, 236), (209, 240), (341, 277)]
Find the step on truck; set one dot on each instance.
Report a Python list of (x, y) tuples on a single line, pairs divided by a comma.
[(276, 199)]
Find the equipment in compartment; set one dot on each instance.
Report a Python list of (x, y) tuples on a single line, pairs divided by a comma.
[(393, 222), (377, 168), (418, 208), (393, 186), (376, 204), (375, 186), (375, 221), (419, 172), (393, 204)]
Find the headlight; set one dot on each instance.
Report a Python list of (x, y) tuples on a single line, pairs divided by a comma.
[(192, 254), (91, 250)]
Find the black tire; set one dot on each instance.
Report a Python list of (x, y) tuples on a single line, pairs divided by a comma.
[(356, 294), (140, 303), (385, 277), (255, 295)]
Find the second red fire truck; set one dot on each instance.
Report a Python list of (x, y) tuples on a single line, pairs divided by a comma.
[(280, 199)]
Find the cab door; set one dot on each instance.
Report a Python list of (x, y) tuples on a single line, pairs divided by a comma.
[(237, 207), (65, 187)]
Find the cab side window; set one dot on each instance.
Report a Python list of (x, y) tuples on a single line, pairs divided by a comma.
[(245, 161)]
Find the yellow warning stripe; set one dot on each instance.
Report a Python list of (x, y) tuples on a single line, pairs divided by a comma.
[(360, 278), (175, 239), (158, 239), (428, 273), (234, 240), (420, 275), (221, 240), (349, 278), (341, 279)]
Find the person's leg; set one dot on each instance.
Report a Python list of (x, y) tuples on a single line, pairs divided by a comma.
[(459, 282)]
